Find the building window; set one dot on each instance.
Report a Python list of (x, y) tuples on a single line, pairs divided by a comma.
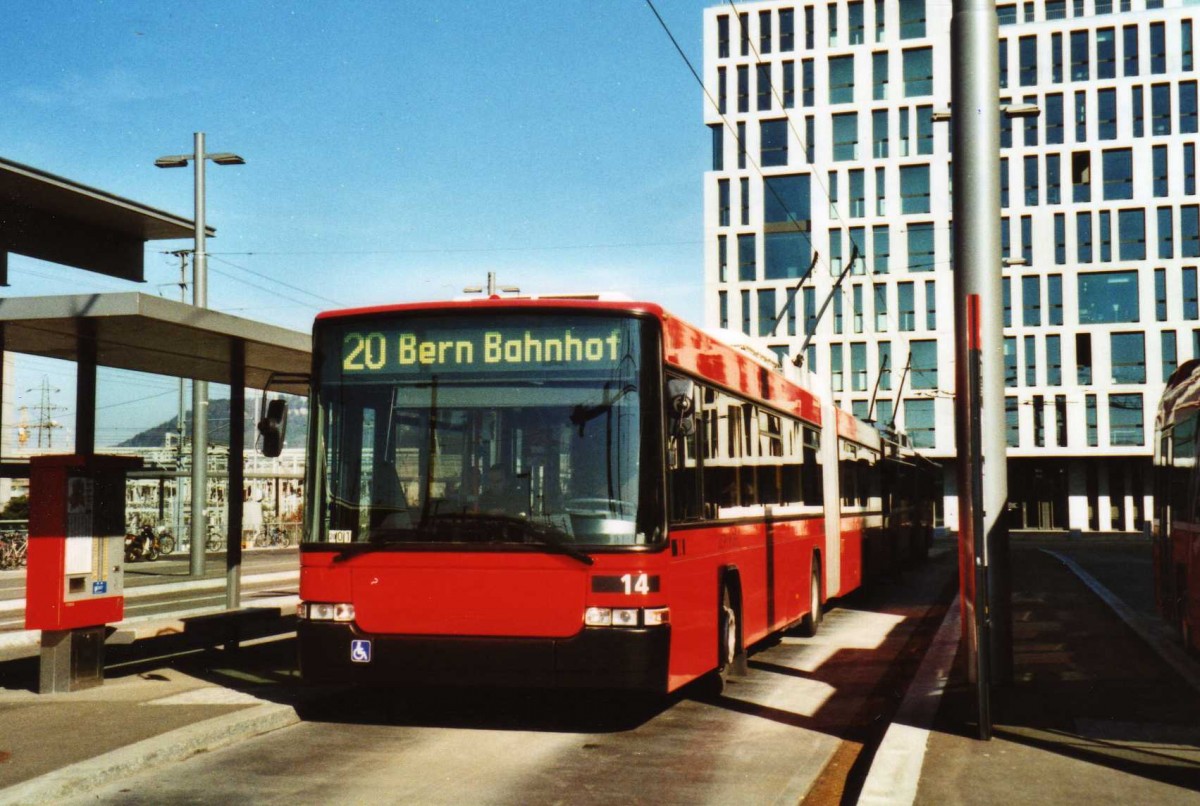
[(919, 423), (810, 313), (722, 90), (1106, 297), (1131, 232), (810, 29), (744, 34), (773, 140), (881, 248), (723, 202), (1093, 426), (835, 367), (906, 306), (1010, 361), (921, 248), (1191, 297), (858, 367), (1027, 55), (1130, 49), (1006, 300), (885, 366), (1054, 360), (1160, 171), (914, 189), (745, 196), (1185, 37), (1128, 352), (767, 321), (1031, 181), (1160, 109), (1031, 301), (832, 25), (1054, 119), (1189, 230), (1158, 48), (1039, 421), (747, 259), (881, 307), (1189, 169), (1080, 66), (746, 312), (1012, 422), (722, 259), (854, 18), (1083, 237), (925, 130), (1106, 53), (743, 88), (1056, 9), (880, 20), (741, 145), (789, 85), (1083, 358), (918, 72), (858, 194), (857, 309), (1081, 177), (1003, 63), (1170, 354), (1056, 58), (841, 80), (1053, 179), (764, 32), (912, 19), (879, 134), (1166, 234), (1138, 104), (845, 136), (723, 308), (1125, 420), (723, 37), (1106, 105), (879, 75), (807, 91), (787, 30), (1054, 298), (1160, 295), (1030, 361), (763, 86), (1060, 239), (924, 366), (930, 305), (1187, 107), (1081, 117)]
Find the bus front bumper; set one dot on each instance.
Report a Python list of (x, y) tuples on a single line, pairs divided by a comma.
[(602, 658)]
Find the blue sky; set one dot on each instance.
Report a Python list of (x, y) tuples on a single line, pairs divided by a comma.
[(396, 151)]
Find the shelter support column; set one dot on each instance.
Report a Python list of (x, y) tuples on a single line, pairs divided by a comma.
[(233, 496), (85, 389)]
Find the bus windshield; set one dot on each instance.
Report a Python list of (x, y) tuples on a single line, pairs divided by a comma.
[(519, 428)]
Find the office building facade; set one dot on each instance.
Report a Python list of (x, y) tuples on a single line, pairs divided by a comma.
[(831, 151)]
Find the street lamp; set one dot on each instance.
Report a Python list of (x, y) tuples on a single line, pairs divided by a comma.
[(199, 531)]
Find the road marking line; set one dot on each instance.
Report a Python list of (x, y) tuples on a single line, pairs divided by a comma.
[(896, 769)]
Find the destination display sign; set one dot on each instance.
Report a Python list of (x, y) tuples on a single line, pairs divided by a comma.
[(424, 347)]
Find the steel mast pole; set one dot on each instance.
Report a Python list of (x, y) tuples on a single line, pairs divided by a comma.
[(199, 529), (979, 347)]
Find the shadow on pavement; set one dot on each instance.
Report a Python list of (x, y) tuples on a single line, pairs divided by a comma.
[(1085, 686)]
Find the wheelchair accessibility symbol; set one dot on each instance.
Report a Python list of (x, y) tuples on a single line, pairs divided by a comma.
[(360, 651)]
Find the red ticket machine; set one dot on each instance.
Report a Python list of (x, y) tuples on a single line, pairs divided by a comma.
[(75, 581)]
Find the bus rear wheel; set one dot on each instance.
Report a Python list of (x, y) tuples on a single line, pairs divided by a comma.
[(812, 621)]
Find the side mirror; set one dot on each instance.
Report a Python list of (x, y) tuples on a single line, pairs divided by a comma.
[(681, 406), (272, 426)]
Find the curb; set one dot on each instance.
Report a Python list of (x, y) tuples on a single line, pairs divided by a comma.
[(1172, 654), (211, 734)]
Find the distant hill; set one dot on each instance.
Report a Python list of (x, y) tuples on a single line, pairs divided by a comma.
[(218, 425)]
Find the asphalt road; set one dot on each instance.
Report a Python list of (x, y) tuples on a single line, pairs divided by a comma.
[(769, 739)]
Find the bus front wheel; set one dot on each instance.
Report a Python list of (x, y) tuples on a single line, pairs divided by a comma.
[(812, 621)]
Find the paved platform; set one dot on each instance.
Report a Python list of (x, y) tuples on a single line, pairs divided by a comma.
[(1094, 714)]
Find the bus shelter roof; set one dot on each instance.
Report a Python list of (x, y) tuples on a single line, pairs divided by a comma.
[(61, 221), (150, 334)]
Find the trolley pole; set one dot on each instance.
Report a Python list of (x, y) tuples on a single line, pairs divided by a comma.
[(979, 349)]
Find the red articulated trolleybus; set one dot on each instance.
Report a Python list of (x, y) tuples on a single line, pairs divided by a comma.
[(1176, 512), (576, 493)]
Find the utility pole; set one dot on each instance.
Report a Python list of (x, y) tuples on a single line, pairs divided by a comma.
[(45, 422), (177, 510), (979, 349)]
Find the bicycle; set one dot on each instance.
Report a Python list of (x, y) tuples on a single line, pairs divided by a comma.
[(13, 550)]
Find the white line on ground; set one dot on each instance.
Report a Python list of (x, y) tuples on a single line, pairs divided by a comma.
[(896, 769)]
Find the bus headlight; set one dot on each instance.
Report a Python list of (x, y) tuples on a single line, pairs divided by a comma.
[(326, 611), (626, 616)]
